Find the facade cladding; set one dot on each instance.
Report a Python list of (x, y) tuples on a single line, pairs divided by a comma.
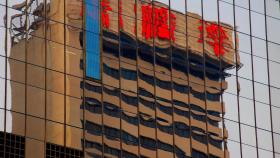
[(140, 78)]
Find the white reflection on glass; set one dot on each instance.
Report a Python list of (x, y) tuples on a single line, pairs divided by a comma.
[(272, 8), (258, 25), (275, 120), (2, 115), (248, 151), (276, 138), (210, 10), (234, 149), (9, 121), (233, 130), (260, 70), (178, 5), (242, 3), (273, 51), (231, 106), (274, 74), (248, 136), (265, 154), (259, 47), (246, 69), (247, 111), (246, 88), (244, 43), (242, 20), (264, 139), (226, 13), (257, 5), (273, 32), (2, 93), (261, 92), (194, 6)]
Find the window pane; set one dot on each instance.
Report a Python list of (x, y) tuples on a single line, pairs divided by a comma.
[(248, 135), (264, 140)]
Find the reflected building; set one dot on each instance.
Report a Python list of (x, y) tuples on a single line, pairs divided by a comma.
[(124, 78), (160, 96)]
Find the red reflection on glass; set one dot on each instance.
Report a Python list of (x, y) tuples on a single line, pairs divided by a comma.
[(120, 12), (105, 16), (172, 26), (147, 21), (81, 11), (217, 35), (155, 23)]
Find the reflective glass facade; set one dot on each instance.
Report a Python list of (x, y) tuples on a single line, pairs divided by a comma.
[(140, 78)]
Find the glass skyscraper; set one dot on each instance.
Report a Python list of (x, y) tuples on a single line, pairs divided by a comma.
[(139, 78)]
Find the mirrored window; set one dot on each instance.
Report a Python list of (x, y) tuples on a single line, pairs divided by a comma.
[(274, 74), (231, 85), (244, 44), (34, 148), (272, 27), (263, 116), (248, 136), (55, 107), (265, 153), (258, 5), (15, 96), (234, 149), (2, 120), (35, 128), (242, 3), (226, 13), (35, 101), (233, 130), (260, 70), (276, 141), (55, 56), (194, 6), (73, 87), (74, 137), (273, 51), (210, 10), (245, 88), (275, 100), (2, 41), (264, 139), (242, 19), (259, 47), (15, 123), (275, 119), (258, 25), (39, 72), (74, 14), (261, 92), (74, 113), (55, 81), (2, 93), (249, 151), (3, 67), (56, 9), (16, 70), (246, 111), (2, 14), (231, 106), (74, 61), (55, 133), (272, 8)]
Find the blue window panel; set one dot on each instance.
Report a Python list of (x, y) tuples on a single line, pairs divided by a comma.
[(92, 39)]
